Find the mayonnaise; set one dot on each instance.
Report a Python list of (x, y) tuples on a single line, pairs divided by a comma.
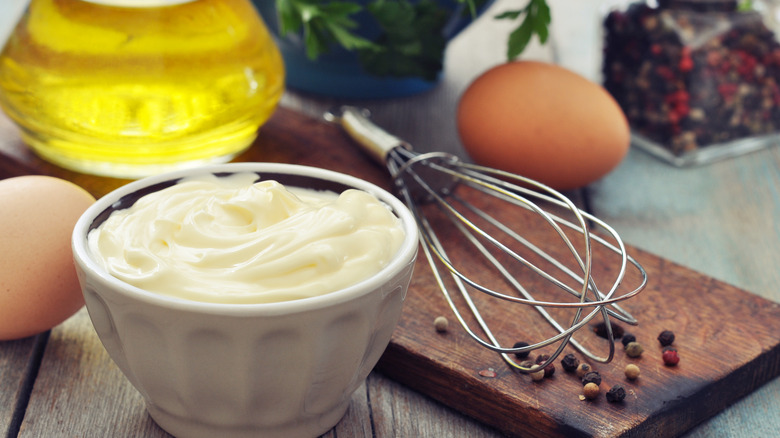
[(231, 240)]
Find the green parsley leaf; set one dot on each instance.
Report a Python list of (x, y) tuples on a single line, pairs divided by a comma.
[(536, 22), (322, 24)]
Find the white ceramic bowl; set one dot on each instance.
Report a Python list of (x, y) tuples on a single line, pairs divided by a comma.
[(237, 370)]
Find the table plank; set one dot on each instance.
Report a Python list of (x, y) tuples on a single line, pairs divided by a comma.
[(399, 412), (19, 361), (81, 392)]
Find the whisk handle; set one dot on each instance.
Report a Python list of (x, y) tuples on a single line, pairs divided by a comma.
[(375, 141)]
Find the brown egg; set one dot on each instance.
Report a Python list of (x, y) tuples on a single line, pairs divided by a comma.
[(38, 284), (543, 122)]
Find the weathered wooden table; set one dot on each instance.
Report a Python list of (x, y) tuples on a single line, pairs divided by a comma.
[(722, 219)]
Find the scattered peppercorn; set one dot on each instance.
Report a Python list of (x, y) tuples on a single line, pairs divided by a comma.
[(569, 363), (668, 348), (537, 373), (670, 357), (634, 349), (521, 354), (627, 337), (631, 371), (601, 330), (549, 370), (591, 391), (592, 377), (441, 324), (616, 394), (582, 370), (666, 338)]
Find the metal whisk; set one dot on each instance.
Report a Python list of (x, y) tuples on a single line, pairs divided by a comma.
[(432, 186)]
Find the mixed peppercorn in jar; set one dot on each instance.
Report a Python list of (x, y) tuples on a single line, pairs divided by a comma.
[(697, 79)]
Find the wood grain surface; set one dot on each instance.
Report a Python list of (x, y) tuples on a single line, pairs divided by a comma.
[(723, 358)]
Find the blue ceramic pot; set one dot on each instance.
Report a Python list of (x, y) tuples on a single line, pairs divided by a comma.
[(338, 73)]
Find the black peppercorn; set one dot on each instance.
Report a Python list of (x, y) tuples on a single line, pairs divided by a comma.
[(627, 337), (569, 363), (666, 338), (521, 354), (592, 377), (616, 394), (601, 330)]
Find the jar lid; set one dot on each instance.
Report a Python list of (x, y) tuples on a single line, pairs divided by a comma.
[(700, 5)]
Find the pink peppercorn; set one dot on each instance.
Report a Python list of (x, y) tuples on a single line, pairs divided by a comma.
[(670, 357), (686, 64)]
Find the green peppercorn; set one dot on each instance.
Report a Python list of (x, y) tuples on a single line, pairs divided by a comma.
[(569, 363), (634, 349)]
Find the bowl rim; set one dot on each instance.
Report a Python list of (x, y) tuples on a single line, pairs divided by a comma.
[(406, 253)]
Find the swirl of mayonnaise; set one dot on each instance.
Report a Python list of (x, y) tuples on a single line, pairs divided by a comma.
[(231, 240)]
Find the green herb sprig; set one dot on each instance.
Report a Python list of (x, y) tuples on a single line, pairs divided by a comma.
[(536, 21), (411, 43)]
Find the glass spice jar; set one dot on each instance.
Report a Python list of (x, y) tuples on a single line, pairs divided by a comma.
[(699, 80)]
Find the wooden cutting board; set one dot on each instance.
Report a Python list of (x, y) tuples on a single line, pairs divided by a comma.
[(728, 339)]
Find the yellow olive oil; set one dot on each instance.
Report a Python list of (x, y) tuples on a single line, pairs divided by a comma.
[(127, 91)]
